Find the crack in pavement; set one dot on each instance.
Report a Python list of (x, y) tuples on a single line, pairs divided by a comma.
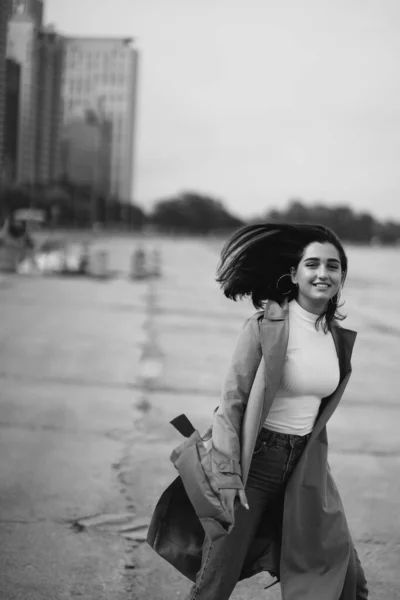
[(135, 530), (59, 522), (124, 524), (127, 525), (378, 542), (26, 521)]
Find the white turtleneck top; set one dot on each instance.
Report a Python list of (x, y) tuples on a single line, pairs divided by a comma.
[(310, 373)]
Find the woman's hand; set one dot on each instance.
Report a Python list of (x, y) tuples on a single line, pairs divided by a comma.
[(228, 496)]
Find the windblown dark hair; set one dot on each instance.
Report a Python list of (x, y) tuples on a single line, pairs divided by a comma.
[(256, 256)]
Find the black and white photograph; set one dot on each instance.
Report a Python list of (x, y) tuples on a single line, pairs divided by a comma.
[(199, 300)]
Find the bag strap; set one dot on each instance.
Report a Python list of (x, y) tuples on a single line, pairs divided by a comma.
[(183, 425), (272, 584)]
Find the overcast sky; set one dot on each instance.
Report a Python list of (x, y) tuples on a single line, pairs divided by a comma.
[(259, 101)]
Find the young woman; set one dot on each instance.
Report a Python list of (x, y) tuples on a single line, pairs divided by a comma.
[(294, 356)]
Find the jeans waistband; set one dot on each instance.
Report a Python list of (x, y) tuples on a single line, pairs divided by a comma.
[(291, 439)]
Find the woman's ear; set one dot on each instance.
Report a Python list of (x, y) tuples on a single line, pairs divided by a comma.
[(293, 275)]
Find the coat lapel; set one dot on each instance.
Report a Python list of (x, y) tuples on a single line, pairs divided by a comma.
[(344, 341), (274, 331)]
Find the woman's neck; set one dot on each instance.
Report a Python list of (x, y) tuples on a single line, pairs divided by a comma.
[(311, 307)]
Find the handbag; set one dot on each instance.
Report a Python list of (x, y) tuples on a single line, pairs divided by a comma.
[(193, 461), (189, 509)]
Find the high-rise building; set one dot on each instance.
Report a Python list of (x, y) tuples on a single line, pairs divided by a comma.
[(100, 74), (86, 153), (32, 8), (39, 51), (5, 12), (10, 146), (49, 108), (23, 47)]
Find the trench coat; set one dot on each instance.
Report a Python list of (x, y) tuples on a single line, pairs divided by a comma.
[(310, 550)]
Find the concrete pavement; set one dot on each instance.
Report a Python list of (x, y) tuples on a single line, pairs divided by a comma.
[(69, 356), (85, 439)]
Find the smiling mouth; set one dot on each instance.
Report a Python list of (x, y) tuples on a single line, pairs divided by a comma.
[(322, 286)]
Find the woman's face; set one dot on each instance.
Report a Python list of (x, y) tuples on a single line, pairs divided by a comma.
[(319, 276)]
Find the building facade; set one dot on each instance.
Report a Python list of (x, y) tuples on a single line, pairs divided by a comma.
[(11, 125), (5, 12), (32, 8), (100, 75), (49, 107), (86, 153), (22, 47)]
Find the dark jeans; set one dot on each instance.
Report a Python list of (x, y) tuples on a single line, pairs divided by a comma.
[(274, 459)]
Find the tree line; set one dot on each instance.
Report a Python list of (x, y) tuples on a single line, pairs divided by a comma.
[(69, 205), (187, 213), (350, 226)]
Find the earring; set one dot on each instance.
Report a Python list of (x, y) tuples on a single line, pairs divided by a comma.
[(277, 284)]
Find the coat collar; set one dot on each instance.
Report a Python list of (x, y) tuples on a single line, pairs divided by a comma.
[(344, 341), (276, 312)]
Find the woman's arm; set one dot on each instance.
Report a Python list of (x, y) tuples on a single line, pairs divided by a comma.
[(228, 418)]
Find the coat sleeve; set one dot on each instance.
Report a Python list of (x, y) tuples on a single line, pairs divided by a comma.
[(235, 393)]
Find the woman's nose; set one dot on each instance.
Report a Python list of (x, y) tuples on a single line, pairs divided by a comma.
[(322, 272)]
